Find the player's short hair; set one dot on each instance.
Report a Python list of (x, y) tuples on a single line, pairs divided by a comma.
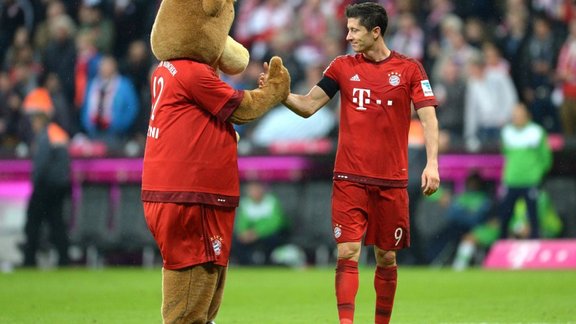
[(369, 14)]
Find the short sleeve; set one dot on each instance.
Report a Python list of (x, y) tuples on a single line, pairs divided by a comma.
[(208, 91), (421, 89)]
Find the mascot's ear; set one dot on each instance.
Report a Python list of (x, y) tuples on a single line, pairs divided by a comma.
[(213, 7)]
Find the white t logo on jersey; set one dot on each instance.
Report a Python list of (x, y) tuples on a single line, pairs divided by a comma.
[(361, 97)]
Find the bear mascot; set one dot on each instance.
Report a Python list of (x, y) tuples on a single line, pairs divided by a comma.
[(190, 181)]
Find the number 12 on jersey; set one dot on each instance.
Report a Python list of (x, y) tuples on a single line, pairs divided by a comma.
[(157, 89)]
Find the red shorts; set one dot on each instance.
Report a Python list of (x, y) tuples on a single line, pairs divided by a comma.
[(377, 214), (190, 234)]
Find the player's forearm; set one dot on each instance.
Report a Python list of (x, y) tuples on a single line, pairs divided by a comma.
[(430, 127), (307, 105), (298, 104)]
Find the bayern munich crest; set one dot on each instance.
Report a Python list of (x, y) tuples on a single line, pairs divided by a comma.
[(394, 78), (217, 245), (337, 231)]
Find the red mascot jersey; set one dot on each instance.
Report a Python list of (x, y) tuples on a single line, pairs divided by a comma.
[(191, 153), (376, 101)]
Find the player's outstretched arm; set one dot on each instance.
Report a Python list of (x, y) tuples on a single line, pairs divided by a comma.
[(302, 105), (430, 175), (306, 105)]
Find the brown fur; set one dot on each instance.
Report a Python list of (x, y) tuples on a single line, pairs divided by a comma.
[(198, 30), (258, 101), (192, 295)]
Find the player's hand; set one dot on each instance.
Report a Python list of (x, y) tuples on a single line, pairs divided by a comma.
[(264, 75), (430, 180)]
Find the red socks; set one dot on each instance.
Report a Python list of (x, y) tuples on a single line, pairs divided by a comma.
[(346, 289), (347, 286), (385, 285)]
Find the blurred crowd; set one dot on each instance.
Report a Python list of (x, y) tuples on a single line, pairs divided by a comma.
[(93, 58)]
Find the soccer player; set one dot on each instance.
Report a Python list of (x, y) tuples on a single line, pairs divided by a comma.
[(370, 200)]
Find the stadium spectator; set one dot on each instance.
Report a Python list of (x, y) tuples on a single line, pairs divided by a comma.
[(538, 60), (466, 210), (511, 36), (129, 22), (20, 51), (490, 99), (13, 15), (566, 75), (258, 21), (408, 38), (91, 20), (10, 113), (527, 159), (450, 90), (60, 54), (314, 24), (452, 46), (51, 178), (87, 64), (65, 114), (494, 59), (475, 32), (261, 226), (136, 66), (111, 105), (439, 10), (483, 235), (54, 9)]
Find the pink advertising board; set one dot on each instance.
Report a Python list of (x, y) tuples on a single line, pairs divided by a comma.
[(532, 254)]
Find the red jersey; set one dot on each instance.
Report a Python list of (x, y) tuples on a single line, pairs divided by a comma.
[(375, 109), (191, 153)]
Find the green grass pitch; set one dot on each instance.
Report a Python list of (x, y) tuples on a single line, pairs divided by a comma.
[(279, 295)]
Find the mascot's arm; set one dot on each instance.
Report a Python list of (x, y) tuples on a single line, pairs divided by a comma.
[(258, 101)]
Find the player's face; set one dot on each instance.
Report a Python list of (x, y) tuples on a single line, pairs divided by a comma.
[(360, 38)]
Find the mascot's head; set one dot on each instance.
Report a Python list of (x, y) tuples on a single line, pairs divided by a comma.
[(198, 30)]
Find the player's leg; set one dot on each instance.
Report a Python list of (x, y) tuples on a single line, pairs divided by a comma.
[(349, 225), (388, 230), (346, 283), (385, 281)]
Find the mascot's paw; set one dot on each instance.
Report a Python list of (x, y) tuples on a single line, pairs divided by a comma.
[(274, 90), (278, 78)]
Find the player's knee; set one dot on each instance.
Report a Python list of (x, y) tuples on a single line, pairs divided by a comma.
[(385, 258), (349, 251)]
